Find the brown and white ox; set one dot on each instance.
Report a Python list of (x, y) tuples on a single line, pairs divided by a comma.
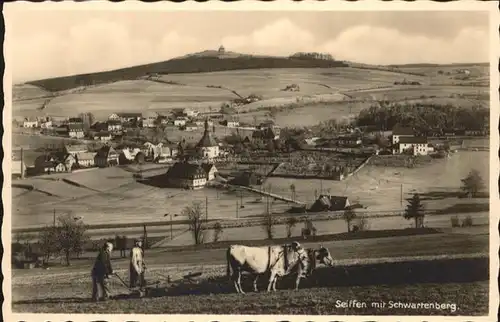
[(276, 260)]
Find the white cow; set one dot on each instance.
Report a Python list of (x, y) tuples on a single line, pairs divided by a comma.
[(276, 260)]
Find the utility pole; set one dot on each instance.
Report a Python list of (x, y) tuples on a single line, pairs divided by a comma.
[(206, 209), (401, 196), (237, 216), (22, 163), (54, 218)]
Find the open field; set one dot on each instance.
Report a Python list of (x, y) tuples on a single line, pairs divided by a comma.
[(379, 188), (320, 88), (119, 198), (112, 195), (387, 264)]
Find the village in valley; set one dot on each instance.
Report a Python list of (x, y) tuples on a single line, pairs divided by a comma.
[(317, 151)]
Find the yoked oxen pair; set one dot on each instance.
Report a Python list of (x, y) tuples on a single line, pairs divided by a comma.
[(276, 260)]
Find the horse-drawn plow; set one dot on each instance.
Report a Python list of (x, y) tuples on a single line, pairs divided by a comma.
[(161, 286)]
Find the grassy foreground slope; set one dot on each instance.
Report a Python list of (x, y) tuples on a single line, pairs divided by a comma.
[(192, 64)]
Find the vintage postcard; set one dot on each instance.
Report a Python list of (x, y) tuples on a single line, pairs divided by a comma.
[(251, 161)]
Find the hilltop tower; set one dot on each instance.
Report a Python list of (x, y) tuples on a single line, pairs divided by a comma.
[(222, 50)]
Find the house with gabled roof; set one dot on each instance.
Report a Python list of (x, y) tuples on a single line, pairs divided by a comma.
[(330, 203), (399, 132), (75, 130), (210, 170), (106, 156), (186, 175), (73, 149), (418, 145)]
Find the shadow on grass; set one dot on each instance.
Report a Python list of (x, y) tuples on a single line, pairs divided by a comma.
[(464, 208), (311, 239), (440, 195), (410, 272)]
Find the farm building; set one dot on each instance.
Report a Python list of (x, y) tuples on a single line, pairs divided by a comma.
[(416, 145), (263, 136), (128, 155), (348, 140), (46, 125), (475, 132), (246, 179), (180, 121), (67, 159), (150, 119), (190, 126), (75, 148), (207, 147), (201, 123), (190, 113), (106, 156), (30, 123), (114, 126), (330, 203), (75, 120), (85, 159), (186, 175), (103, 136), (399, 132), (210, 170), (129, 117), (44, 164), (75, 131)]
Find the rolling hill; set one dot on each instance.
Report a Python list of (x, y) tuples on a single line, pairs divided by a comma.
[(202, 62)]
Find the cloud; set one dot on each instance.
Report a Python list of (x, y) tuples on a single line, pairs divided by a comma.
[(103, 44), (93, 46), (281, 37), (379, 45)]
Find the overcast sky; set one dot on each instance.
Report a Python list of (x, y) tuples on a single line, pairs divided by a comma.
[(72, 42)]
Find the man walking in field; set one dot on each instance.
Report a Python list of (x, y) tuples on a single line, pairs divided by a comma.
[(101, 271), (137, 266)]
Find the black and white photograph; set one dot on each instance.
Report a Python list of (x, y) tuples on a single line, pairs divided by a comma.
[(292, 160)]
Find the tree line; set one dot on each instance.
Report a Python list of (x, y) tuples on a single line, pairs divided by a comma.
[(423, 117)]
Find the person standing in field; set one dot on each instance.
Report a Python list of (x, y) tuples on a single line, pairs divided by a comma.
[(137, 266), (101, 271)]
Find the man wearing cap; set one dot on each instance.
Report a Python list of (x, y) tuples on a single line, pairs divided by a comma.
[(137, 265), (101, 271)]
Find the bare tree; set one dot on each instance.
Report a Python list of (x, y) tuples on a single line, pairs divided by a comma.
[(70, 236), (291, 222), (194, 213), (268, 225), (349, 215), (293, 190)]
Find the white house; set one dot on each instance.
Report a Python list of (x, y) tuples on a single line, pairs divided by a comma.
[(149, 119), (202, 123), (418, 145), (28, 123), (76, 131), (114, 117), (190, 113), (191, 127), (46, 125), (180, 121), (233, 123), (210, 170), (85, 159), (103, 136), (114, 126)]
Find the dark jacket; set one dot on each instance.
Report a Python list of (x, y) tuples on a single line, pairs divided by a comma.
[(102, 266)]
